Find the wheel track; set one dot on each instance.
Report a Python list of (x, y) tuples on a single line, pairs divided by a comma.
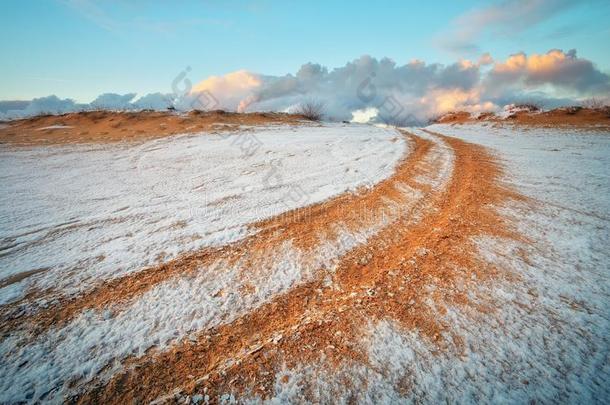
[(304, 227), (309, 230), (352, 255), (401, 262)]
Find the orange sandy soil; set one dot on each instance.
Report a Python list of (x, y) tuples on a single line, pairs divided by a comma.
[(107, 126), (561, 117), (407, 273)]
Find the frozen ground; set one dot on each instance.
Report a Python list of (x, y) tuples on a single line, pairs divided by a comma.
[(547, 340), (125, 204), (552, 341), (80, 214)]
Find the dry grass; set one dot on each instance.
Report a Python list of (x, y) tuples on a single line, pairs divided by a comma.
[(311, 110)]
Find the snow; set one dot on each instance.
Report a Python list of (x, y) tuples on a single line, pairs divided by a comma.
[(321, 161), (557, 338), (549, 340), (55, 127), (89, 213), (437, 174)]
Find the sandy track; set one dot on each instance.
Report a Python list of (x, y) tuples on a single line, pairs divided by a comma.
[(402, 251), (315, 233), (422, 288)]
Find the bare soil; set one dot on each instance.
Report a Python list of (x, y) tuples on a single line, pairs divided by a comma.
[(390, 277), (577, 117), (108, 126)]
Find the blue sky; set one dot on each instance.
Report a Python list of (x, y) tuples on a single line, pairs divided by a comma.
[(81, 48)]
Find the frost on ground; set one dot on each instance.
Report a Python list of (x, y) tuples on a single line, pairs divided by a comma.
[(78, 215), (213, 186), (536, 332), (548, 339), (551, 341)]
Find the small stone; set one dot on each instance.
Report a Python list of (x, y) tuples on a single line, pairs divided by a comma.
[(365, 259), (422, 251)]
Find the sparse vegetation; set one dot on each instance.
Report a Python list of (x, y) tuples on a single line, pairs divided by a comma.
[(311, 110), (529, 106), (572, 110), (594, 103)]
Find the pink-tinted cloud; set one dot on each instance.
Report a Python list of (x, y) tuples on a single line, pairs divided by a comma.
[(563, 70)]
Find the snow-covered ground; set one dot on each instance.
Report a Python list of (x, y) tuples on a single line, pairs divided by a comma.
[(82, 214), (89, 213), (549, 340), (552, 341), (70, 206)]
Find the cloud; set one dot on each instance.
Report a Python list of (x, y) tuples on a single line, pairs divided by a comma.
[(112, 101), (154, 101), (370, 88), (563, 70), (361, 84), (8, 105), (107, 101), (93, 12), (228, 90), (486, 59), (504, 19), (415, 91), (123, 17), (49, 105)]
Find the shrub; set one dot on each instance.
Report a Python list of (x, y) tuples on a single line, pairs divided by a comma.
[(529, 106), (594, 103), (311, 110), (572, 110)]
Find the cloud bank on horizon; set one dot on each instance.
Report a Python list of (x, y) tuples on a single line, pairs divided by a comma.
[(379, 90)]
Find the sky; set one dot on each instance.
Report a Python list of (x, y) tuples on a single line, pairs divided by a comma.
[(80, 49)]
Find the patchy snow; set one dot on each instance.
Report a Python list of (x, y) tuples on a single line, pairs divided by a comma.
[(55, 127), (552, 340), (439, 161), (305, 157), (563, 168), (88, 213), (549, 340)]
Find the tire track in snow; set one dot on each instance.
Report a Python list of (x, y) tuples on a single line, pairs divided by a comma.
[(249, 346), (287, 251), (136, 225)]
